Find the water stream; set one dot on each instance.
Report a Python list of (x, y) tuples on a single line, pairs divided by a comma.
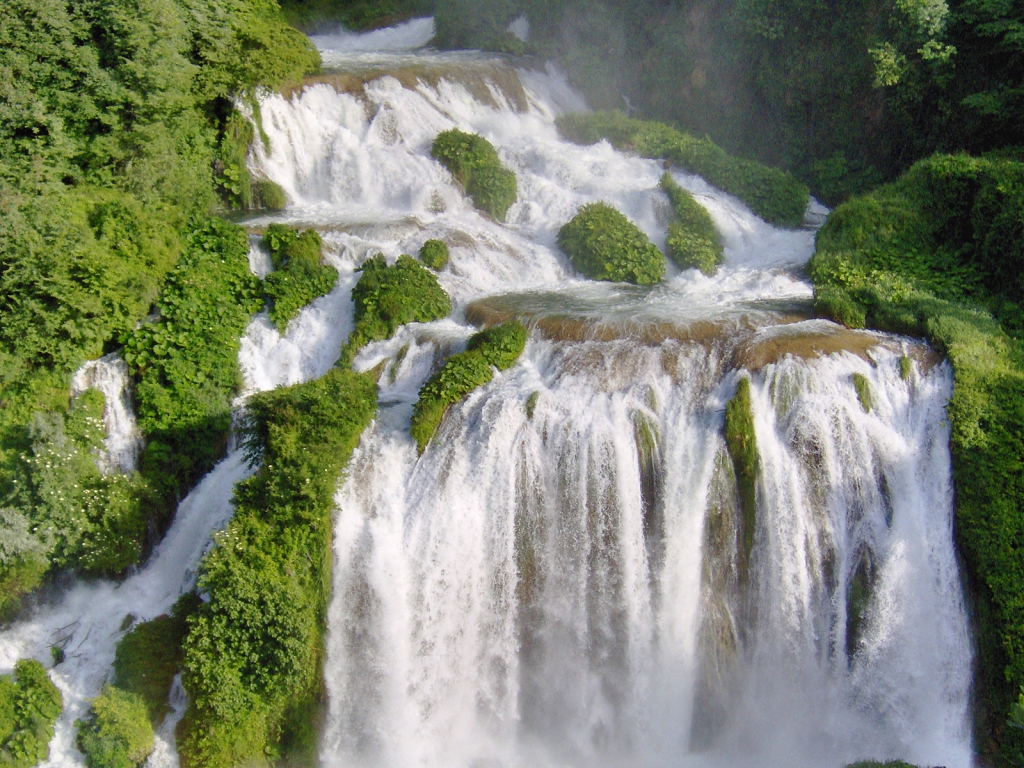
[(559, 580)]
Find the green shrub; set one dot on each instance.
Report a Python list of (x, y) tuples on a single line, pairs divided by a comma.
[(299, 277), (186, 362), (475, 164), (914, 257), (605, 245), (772, 194), (388, 297), (148, 657), (741, 441), (29, 706), (267, 194), (692, 239), (117, 733), (497, 347), (434, 254), (254, 651)]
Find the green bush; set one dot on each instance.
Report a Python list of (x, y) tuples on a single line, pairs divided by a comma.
[(299, 277), (434, 254), (267, 194), (741, 441), (918, 256), (497, 347), (692, 239), (29, 706), (475, 164), (388, 297), (605, 245), (117, 733), (772, 194), (254, 651)]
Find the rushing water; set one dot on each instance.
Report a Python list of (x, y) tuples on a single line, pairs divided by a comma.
[(560, 579)]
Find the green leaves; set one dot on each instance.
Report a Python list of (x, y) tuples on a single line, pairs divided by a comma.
[(29, 706), (475, 164), (117, 733), (300, 277), (605, 245), (692, 239)]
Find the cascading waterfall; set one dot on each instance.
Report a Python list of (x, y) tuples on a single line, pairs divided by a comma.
[(109, 375), (560, 578)]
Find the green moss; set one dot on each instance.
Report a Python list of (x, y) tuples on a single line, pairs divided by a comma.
[(29, 706), (531, 404), (772, 194), (148, 657), (388, 297), (497, 347), (918, 256), (605, 245), (863, 387), (692, 239), (434, 254), (269, 195), (254, 651), (117, 732), (858, 595), (838, 306), (299, 277), (906, 368), (742, 444), (475, 164), (875, 764)]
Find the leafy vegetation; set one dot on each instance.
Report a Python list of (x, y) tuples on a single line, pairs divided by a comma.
[(321, 16), (299, 277), (772, 194), (692, 239), (117, 733), (475, 164), (254, 651), (497, 347), (434, 254), (938, 254), (29, 706), (605, 245), (388, 297), (742, 444)]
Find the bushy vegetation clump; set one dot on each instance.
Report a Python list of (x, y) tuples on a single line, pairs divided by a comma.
[(497, 347), (323, 16), (475, 164), (254, 652), (604, 245), (772, 194), (434, 254), (939, 254), (185, 362), (299, 277), (29, 706), (692, 241), (387, 297), (117, 732), (741, 442)]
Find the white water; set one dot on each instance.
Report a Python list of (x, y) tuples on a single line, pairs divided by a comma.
[(109, 375), (523, 594)]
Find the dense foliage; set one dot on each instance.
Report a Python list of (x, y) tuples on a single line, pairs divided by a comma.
[(939, 254), (475, 164), (299, 277), (186, 361), (497, 347), (117, 733), (387, 297), (321, 16), (434, 254), (253, 652), (772, 194), (692, 241), (29, 706), (605, 245)]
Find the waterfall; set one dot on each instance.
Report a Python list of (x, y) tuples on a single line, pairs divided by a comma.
[(561, 579), (109, 375)]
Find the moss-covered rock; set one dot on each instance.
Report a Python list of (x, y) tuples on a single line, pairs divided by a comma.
[(742, 444), (270, 195), (434, 253), (692, 241), (604, 245), (387, 297), (298, 277), (475, 164), (29, 706), (863, 387), (772, 194), (497, 347), (117, 733)]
